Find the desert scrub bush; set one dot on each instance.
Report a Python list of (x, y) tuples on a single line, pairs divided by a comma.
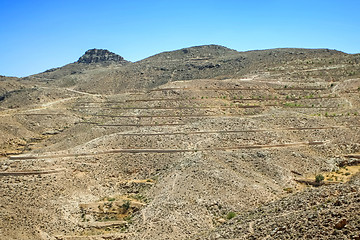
[(139, 197), (292, 104), (230, 215), (126, 205), (108, 219), (319, 178), (128, 219)]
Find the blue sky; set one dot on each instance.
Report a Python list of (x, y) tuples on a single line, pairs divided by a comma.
[(38, 35)]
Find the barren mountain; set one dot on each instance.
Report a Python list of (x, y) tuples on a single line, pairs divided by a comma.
[(200, 143)]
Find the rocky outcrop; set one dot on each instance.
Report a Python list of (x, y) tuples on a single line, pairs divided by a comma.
[(99, 56)]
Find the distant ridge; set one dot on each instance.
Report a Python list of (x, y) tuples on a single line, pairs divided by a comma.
[(195, 52), (102, 71)]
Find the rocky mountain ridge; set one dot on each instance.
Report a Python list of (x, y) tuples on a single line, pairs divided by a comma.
[(202, 62)]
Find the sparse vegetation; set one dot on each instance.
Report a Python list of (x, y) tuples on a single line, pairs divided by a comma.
[(230, 215), (128, 218), (292, 104), (138, 197), (126, 205), (319, 178)]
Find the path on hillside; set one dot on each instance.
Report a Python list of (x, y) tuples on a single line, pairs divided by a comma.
[(11, 112), (140, 150)]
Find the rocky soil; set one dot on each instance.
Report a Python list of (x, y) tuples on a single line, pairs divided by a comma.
[(328, 212), (199, 143)]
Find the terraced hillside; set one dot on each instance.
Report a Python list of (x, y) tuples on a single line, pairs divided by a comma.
[(199, 143)]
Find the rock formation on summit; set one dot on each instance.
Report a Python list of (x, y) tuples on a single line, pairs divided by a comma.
[(100, 55)]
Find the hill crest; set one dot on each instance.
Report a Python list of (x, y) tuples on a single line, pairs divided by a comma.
[(100, 55)]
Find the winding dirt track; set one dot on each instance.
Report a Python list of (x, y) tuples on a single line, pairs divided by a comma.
[(205, 99), (135, 150), (237, 89), (32, 172), (175, 108), (202, 89), (169, 116), (353, 156), (226, 132), (207, 107), (132, 125), (41, 114), (200, 115)]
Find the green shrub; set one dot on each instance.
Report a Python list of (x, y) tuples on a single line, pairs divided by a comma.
[(230, 215), (319, 178), (139, 197), (126, 205)]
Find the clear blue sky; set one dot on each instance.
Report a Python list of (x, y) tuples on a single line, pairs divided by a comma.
[(38, 35)]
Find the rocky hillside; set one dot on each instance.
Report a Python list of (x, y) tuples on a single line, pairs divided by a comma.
[(203, 62), (329, 212), (199, 143)]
